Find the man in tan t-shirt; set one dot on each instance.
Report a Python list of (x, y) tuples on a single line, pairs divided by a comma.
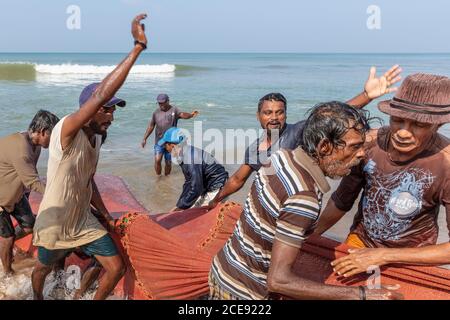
[(18, 158), (65, 221)]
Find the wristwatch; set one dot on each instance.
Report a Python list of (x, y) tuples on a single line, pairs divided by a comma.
[(143, 45)]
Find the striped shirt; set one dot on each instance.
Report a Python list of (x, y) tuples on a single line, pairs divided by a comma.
[(283, 204)]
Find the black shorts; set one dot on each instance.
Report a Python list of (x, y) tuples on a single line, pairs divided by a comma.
[(23, 215)]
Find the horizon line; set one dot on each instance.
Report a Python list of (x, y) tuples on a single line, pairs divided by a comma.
[(213, 52)]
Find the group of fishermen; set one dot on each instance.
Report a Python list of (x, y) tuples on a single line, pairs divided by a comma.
[(402, 169)]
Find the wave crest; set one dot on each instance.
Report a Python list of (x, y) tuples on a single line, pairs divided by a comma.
[(93, 69)]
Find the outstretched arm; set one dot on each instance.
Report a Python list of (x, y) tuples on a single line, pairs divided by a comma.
[(27, 172), (234, 184), (377, 87), (107, 88), (187, 115), (359, 260), (99, 205)]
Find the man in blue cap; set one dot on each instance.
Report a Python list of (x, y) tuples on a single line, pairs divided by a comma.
[(65, 221), (204, 177), (165, 117)]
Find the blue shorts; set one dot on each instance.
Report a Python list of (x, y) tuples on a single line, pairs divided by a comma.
[(103, 246), (161, 150), (23, 215)]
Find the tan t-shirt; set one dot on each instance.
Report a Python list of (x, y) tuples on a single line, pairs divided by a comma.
[(65, 220), (17, 169)]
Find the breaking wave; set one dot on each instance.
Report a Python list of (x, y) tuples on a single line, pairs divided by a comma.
[(33, 71)]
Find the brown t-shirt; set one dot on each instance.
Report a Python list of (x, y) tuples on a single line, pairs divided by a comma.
[(17, 169), (400, 202)]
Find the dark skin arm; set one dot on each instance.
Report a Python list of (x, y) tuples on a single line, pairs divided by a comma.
[(187, 115), (97, 203), (107, 88), (282, 280), (359, 260), (148, 132), (376, 87), (329, 217), (234, 184)]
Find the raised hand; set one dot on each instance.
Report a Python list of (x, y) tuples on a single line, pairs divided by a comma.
[(138, 29), (376, 87)]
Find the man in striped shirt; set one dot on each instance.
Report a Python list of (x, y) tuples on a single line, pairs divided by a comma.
[(282, 209)]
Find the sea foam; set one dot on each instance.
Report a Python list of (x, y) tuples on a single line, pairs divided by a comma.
[(93, 69)]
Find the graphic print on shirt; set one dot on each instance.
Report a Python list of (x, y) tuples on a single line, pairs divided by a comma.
[(390, 202)]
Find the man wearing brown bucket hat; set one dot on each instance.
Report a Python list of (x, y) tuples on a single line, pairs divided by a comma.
[(405, 179)]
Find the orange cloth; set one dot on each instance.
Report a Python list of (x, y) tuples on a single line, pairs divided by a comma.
[(354, 241)]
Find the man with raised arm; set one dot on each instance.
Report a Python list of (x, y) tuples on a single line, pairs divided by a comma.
[(272, 115), (65, 221)]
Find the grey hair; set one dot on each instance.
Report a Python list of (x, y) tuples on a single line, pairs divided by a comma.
[(43, 121), (331, 121)]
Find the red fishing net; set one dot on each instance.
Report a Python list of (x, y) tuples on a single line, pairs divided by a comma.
[(171, 254)]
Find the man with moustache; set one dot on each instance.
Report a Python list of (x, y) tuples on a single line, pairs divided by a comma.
[(272, 114), (65, 221), (165, 117), (404, 179)]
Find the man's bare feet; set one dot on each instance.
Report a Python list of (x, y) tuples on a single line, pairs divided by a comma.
[(10, 272)]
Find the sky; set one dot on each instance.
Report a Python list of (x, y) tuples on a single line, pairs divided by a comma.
[(328, 26)]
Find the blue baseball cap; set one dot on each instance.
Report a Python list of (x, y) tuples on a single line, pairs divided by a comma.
[(172, 135), (162, 97), (89, 90)]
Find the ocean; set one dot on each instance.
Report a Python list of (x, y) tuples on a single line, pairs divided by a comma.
[(224, 88)]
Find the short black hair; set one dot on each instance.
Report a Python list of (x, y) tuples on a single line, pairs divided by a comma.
[(43, 121), (331, 121), (273, 96)]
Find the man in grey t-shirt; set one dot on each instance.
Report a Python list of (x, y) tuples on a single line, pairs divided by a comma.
[(162, 119)]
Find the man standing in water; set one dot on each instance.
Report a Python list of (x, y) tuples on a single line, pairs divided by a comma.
[(203, 175), (272, 115), (162, 119), (18, 158), (65, 221)]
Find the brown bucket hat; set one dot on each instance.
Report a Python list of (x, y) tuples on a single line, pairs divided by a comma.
[(421, 97)]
